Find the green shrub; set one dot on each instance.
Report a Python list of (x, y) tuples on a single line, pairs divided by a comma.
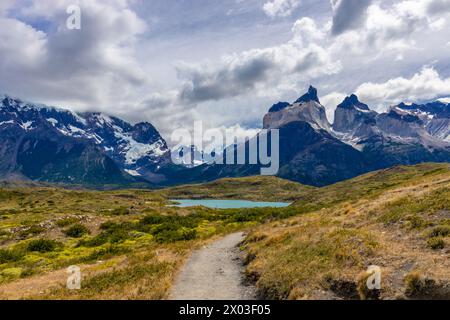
[(96, 241), (27, 272), (417, 222), (4, 233), (165, 229), (111, 226), (122, 211), (32, 231), (414, 283), (419, 287), (150, 211), (76, 231), (10, 255), (439, 231), (183, 234), (66, 222), (105, 253), (9, 212), (153, 219), (437, 243), (115, 235), (118, 235), (43, 245)]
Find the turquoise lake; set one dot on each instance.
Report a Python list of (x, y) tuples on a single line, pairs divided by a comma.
[(229, 204)]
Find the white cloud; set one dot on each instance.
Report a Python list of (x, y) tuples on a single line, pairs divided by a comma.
[(445, 100), (259, 70), (305, 30), (94, 66), (330, 102), (118, 64), (21, 46), (280, 8), (5, 5), (389, 28), (424, 85), (386, 27), (424, 7)]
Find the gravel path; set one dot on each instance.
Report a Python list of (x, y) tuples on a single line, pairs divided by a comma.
[(214, 273)]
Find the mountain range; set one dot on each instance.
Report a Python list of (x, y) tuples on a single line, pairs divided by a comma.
[(360, 140), (41, 143), (55, 145)]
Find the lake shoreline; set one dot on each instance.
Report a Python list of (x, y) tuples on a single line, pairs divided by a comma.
[(226, 204)]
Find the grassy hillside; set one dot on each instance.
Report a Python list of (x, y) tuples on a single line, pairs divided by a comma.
[(130, 244), (250, 188), (123, 240), (397, 219)]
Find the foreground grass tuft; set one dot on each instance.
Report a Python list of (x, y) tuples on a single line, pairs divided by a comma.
[(43, 245), (76, 231)]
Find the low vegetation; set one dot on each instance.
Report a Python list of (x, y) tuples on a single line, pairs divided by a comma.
[(252, 188), (130, 243), (397, 219), (76, 231), (43, 245), (44, 230)]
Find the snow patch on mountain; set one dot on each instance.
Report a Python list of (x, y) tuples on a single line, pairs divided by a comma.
[(102, 120), (77, 130), (7, 122), (54, 122), (134, 173), (27, 126), (136, 151)]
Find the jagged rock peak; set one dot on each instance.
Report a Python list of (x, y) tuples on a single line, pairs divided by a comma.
[(435, 108), (311, 95), (279, 106), (353, 101)]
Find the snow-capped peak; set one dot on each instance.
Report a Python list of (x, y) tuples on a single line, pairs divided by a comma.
[(131, 146)]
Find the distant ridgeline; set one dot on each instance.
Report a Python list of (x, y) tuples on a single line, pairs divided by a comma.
[(47, 144)]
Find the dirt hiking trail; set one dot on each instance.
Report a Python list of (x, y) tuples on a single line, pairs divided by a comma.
[(214, 272)]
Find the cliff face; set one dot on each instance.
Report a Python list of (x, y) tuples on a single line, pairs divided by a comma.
[(307, 108)]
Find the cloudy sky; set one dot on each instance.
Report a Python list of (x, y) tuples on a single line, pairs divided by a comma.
[(223, 62)]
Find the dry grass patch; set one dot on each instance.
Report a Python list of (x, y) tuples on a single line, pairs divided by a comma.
[(325, 254)]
